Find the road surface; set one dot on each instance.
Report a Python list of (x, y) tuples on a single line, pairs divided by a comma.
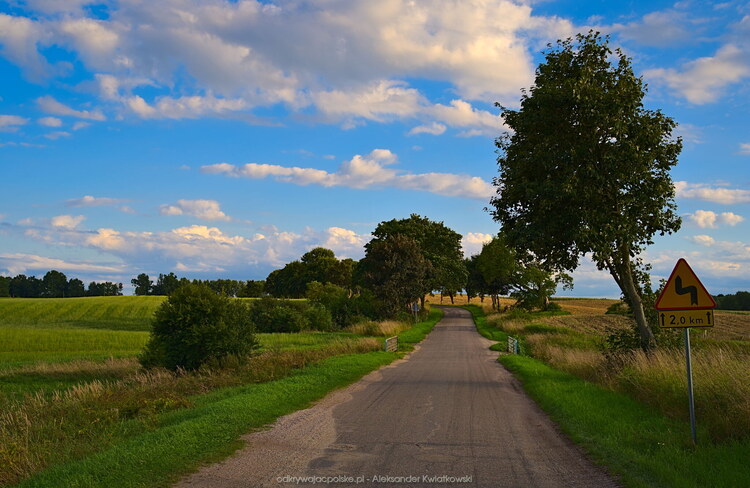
[(449, 415)]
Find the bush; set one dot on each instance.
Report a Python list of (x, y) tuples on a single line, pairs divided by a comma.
[(344, 308), (195, 325)]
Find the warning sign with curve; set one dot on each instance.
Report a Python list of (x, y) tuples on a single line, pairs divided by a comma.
[(684, 291)]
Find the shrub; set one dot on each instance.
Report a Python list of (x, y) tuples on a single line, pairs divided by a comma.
[(195, 325)]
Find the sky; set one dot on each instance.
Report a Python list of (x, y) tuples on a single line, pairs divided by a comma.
[(223, 139)]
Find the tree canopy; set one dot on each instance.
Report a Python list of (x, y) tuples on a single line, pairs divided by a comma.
[(585, 168), (438, 244)]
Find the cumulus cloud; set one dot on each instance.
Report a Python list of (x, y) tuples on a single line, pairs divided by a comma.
[(703, 80), (362, 172), (703, 240), (472, 242), (702, 191), (19, 39), (49, 105), (90, 201), (67, 221), (201, 247), (345, 61), (200, 209)]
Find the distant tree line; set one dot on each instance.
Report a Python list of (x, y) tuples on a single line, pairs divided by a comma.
[(736, 301), (54, 284), (166, 284)]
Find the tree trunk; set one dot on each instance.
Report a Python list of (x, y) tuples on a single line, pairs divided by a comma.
[(627, 285), (451, 295)]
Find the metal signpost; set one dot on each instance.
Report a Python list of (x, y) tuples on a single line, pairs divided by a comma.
[(685, 303)]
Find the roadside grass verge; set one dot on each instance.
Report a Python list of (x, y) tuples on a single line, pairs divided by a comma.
[(624, 417), (643, 447), (178, 442), (126, 427), (411, 336)]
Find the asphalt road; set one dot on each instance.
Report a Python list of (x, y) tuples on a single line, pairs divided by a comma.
[(449, 415)]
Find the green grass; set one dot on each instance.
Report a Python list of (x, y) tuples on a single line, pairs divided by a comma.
[(129, 313), (413, 335), (184, 439), (634, 441), (637, 443), (207, 426), (483, 327), (23, 346)]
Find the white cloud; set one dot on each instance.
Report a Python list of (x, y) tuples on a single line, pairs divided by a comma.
[(51, 106), (662, 28), (701, 191), (731, 219), (67, 221), (703, 240), (184, 107), (347, 60), (18, 263), (90, 201), (50, 122), (745, 148), (207, 248), (93, 39), (704, 218), (57, 135), (10, 122), (363, 172), (472, 242), (434, 128), (703, 80), (19, 38), (81, 125), (201, 209)]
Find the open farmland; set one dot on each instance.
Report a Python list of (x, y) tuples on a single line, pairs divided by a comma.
[(112, 313), (71, 386)]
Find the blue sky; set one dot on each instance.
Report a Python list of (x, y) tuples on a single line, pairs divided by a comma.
[(224, 139)]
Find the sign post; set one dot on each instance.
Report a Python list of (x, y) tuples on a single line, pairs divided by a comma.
[(684, 303)]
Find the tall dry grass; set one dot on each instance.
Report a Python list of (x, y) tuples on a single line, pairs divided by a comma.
[(383, 328), (721, 373), (40, 430)]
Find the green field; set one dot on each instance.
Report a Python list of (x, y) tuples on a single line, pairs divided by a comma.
[(75, 400), (114, 313)]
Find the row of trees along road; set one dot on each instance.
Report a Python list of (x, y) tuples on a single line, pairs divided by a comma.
[(585, 169)]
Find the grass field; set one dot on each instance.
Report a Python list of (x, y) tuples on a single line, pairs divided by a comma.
[(74, 400), (642, 441), (129, 313)]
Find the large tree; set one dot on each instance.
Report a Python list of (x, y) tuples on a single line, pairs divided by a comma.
[(142, 284), (55, 284), (438, 244), (396, 271), (585, 167)]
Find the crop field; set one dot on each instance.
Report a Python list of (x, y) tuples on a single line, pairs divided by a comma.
[(113, 313)]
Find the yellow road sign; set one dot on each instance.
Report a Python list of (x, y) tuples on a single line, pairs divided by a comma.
[(686, 318), (684, 291)]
